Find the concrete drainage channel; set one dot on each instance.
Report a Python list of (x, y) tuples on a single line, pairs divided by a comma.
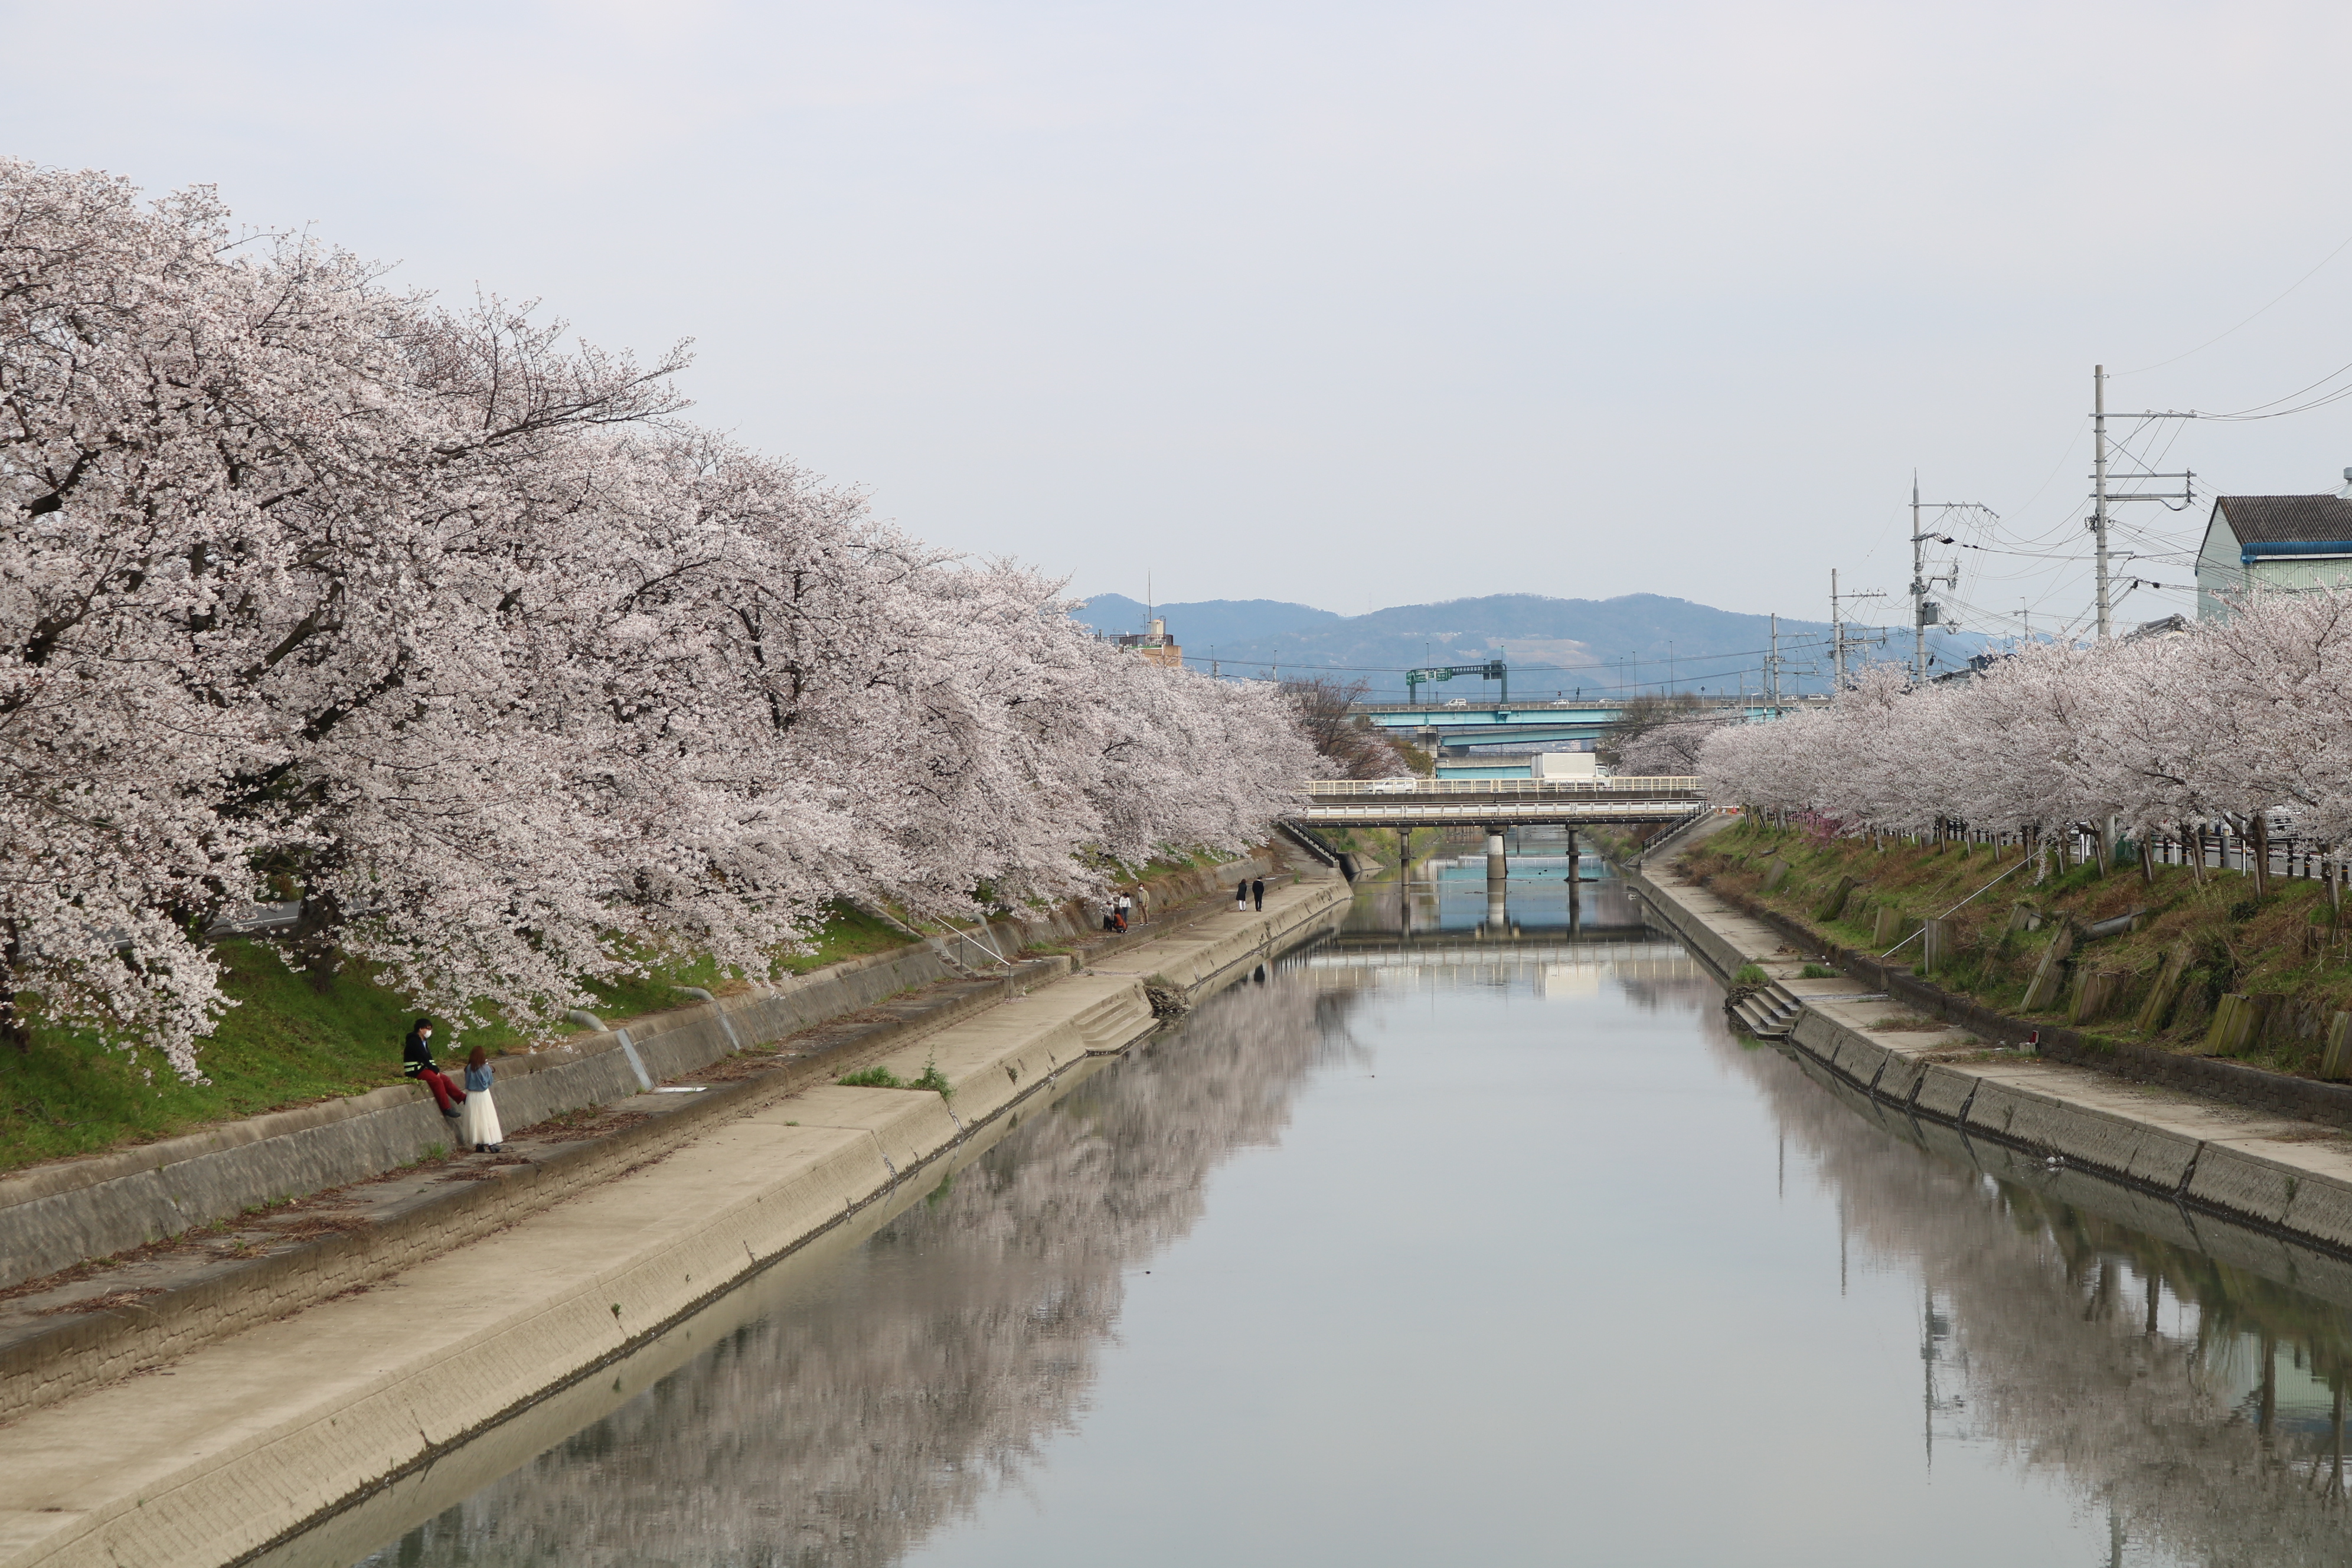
[(291, 1420), (175, 1298), (2269, 1193)]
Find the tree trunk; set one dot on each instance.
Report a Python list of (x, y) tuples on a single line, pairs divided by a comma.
[(13, 1027), (2260, 838), (2147, 858), (311, 944)]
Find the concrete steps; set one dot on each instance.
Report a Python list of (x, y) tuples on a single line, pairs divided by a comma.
[(1769, 1012)]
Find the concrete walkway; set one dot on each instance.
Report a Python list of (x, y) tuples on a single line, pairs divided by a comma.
[(242, 1442), (2287, 1177)]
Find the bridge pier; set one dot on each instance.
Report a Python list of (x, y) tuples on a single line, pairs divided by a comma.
[(1575, 877), (1498, 881)]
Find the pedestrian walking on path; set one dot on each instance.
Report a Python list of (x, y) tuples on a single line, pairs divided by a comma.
[(477, 1123), (1257, 891), (1241, 896), (1125, 911), (417, 1062)]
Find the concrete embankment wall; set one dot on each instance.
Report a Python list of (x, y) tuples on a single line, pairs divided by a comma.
[(78, 1351), (57, 1216), (2287, 1176), (292, 1419)]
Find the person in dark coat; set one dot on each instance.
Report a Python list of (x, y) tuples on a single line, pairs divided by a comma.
[(417, 1062), (1257, 891)]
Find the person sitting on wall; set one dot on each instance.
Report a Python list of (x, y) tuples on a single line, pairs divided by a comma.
[(417, 1062)]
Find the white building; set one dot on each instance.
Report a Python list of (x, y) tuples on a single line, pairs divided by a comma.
[(2273, 541)]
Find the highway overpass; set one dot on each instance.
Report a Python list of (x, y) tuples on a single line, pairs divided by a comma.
[(1559, 723)]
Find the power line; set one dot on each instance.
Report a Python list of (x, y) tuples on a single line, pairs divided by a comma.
[(2208, 343)]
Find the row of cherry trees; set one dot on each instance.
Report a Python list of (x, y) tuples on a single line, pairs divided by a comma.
[(316, 590), (2237, 719)]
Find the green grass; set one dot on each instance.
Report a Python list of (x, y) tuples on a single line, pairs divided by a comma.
[(1751, 975), (1818, 972), (850, 933), (935, 1080), (289, 1044), (880, 1076), (2233, 942)]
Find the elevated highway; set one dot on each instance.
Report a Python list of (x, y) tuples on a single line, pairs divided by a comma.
[(1522, 723)]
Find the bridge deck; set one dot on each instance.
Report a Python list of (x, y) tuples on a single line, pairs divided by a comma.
[(1439, 803), (1497, 813), (1658, 787)]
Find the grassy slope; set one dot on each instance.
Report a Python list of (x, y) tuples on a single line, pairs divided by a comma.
[(2236, 946), (286, 1045)]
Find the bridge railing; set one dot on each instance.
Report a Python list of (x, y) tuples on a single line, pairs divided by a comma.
[(1650, 788)]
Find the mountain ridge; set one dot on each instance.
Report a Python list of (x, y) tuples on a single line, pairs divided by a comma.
[(1632, 642)]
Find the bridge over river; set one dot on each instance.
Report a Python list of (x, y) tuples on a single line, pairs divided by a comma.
[(1498, 803)]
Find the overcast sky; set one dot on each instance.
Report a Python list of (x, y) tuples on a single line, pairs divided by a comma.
[(1355, 304)]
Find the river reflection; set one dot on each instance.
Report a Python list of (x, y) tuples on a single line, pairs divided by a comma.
[(2159, 1362), (929, 1369), (1446, 1241)]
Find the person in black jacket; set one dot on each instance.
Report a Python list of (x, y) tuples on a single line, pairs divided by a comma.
[(417, 1062), (1257, 891)]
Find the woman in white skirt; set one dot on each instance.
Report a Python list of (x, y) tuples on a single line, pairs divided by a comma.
[(478, 1119)]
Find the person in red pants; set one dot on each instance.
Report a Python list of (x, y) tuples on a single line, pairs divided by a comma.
[(417, 1062)]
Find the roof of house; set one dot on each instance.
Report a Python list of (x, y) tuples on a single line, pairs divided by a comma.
[(2286, 519), (2169, 625)]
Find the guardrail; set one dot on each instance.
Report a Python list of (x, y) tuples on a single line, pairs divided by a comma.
[(1660, 788)]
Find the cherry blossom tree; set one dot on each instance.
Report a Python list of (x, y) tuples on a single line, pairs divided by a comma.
[(458, 635), (2243, 717)]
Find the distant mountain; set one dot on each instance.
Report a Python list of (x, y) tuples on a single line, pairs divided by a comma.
[(1634, 642)]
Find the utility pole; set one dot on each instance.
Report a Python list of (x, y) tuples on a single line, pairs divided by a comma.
[(1772, 668), (1838, 639), (1918, 588), (2099, 484), (1926, 612), (2100, 499)]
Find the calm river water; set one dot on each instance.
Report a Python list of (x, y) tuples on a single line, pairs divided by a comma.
[(1450, 1240)]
